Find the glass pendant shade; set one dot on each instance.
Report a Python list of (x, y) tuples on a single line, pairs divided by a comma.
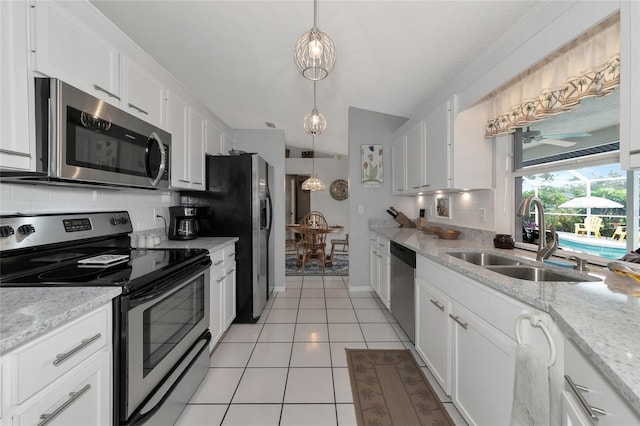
[(315, 123), (313, 184), (314, 54)]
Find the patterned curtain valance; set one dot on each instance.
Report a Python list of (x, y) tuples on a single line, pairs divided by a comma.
[(588, 66)]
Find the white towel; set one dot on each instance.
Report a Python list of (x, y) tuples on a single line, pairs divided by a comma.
[(531, 389)]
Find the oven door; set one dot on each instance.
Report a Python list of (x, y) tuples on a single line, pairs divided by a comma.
[(162, 325)]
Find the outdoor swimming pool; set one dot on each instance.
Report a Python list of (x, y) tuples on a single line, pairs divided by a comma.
[(592, 247)]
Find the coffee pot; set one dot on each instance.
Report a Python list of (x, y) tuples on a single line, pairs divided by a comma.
[(183, 224)]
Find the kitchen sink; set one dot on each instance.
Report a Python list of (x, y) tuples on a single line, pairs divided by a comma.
[(535, 273), (484, 258)]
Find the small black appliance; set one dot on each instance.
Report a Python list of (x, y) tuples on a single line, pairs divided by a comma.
[(183, 224)]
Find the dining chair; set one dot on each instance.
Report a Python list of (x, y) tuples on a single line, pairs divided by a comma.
[(314, 229), (342, 243)]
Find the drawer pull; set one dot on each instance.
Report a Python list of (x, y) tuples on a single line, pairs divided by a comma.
[(60, 358), (17, 153), (457, 319), (138, 109), (219, 280), (231, 254), (577, 390), (73, 396), (102, 89), (231, 272), (438, 304), (218, 262)]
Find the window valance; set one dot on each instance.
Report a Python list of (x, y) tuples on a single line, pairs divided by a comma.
[(588, 66)]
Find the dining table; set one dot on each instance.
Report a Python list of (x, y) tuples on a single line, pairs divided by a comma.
[(296, 228)]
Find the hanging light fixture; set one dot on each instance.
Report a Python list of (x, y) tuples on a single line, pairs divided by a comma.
[(313, 183), (314, 53), (314, 122)]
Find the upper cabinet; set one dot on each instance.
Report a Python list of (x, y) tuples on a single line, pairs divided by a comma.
[(142, 94), (399, 169), (214, 140), (16, 149), (415, 157), (630, 85), (64, 49)]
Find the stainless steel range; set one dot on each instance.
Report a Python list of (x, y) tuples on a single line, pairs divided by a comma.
[(161, 319)]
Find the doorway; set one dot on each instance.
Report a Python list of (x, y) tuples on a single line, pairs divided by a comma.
[(297, 205)]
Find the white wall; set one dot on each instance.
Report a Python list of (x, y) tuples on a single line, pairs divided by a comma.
[(270, 145), (19, 198), (328, 169), (369, 128)]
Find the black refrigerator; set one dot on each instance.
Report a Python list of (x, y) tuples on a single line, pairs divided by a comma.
[(237, 203)]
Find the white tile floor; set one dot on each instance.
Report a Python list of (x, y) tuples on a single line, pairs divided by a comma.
[(290, 368)]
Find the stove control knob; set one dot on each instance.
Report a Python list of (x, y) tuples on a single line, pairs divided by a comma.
[(114, 221), (6, 230), (26, 229)]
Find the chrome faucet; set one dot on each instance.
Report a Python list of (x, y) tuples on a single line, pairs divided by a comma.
[(545, 250)]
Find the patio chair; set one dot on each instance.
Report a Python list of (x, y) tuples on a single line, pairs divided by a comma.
[(620, 233), (591, 225)]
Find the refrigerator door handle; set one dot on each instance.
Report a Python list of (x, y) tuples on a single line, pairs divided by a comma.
[(269, 210)]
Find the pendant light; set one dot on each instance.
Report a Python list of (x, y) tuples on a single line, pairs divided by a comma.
[(314, 53), (314, 122), (313, 183)]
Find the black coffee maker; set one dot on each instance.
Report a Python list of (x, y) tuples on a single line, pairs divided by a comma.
[(182, 223)]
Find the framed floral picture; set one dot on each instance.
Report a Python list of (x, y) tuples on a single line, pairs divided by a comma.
[(443, 207), (371, 164)]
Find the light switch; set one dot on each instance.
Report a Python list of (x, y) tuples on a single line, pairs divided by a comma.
[(360, 209)]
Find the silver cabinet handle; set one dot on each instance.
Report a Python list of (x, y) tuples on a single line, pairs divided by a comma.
[(60, 358), (232, 254), (416, 187), (425, 186), (73, 396), (102, 89), (219, 280), (16, 153), (438, 304), (218, 262), (138, 108), (457, 319), (399, 190), (231, 272), (379, 257), (577, 390), (182, 180)]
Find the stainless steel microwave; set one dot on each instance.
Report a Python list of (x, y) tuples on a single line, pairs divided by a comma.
[(82, 140)]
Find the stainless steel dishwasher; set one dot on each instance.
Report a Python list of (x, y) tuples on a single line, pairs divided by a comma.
[(403, 274)]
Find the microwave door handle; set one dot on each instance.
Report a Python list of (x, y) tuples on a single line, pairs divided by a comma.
[(154, 138)]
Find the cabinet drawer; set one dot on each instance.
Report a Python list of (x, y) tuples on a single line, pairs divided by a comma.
[(81, 399), (229, 255), (41, 362), (217, 259)]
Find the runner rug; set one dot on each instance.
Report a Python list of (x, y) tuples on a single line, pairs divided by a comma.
[(389, 388)]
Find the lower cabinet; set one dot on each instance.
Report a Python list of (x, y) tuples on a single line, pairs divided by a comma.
[(223, 292), (379, 262), (465, 332), (63, 377), (229, 287)]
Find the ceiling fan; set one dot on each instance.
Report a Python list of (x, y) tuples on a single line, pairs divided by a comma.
[(552, 139)]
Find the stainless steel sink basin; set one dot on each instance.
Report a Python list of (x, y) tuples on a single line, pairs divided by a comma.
[(534, 273), (483, 258)]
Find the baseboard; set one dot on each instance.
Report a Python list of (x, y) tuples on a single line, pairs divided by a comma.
[(355, 289), (279, 289)]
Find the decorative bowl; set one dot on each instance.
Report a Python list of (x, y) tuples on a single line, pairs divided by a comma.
[(431, 230), (449, 234)]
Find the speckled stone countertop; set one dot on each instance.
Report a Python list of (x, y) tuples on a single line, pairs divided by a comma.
[(26, 313), (211, 243), (602, 318)]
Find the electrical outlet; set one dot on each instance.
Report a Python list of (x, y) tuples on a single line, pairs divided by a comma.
[(360, 209), (156, 212)]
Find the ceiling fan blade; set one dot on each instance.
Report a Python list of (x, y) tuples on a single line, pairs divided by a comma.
[(557, 142), (566, 135)]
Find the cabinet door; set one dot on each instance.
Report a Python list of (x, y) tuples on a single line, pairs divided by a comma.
[(142, 95), (416, 158), (67, 50), (399, 172), (195, 149), (483, 369), (571, 412), (229, 295), (629, 85), (216, 320), (438, 143), (433, 331), (15, 144), (213, 140), (177, 114), (374, 280), (383, 280)]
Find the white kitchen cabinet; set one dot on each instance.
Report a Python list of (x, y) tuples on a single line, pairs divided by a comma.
[(142, 94), (65, 48), (384, 263), (629, 85), (399, 165), (187, 127), (437, 148), (433, 331), (65, 374), (229, 287), (213, 140), (374, 274), (15, 106), (416, 156), (595, 390)]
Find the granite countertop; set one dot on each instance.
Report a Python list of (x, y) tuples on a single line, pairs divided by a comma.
[(26, 313), (600, 317), (210, 243)]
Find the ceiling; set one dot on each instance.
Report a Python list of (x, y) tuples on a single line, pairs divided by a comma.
[(237, 56)]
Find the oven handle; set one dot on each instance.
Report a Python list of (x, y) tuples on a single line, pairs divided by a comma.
[(169, 285), (138, 418)]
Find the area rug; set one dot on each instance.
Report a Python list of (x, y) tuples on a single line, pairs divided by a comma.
[(390, 389), (340, 266)]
